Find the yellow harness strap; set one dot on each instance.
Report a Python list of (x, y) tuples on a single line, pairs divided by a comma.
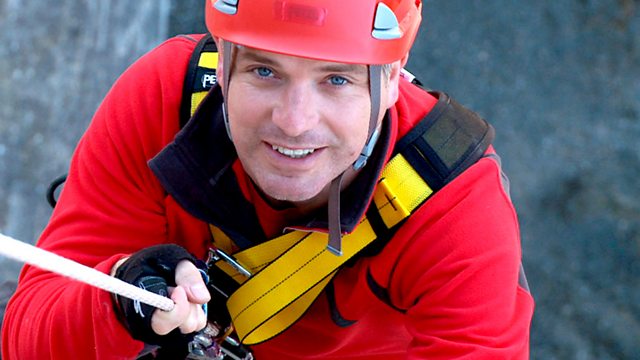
[(290, 271)]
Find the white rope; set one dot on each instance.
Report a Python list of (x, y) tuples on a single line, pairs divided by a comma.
[(46, 260)]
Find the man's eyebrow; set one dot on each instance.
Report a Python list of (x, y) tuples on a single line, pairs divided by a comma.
[(344, 68), (250, 55)]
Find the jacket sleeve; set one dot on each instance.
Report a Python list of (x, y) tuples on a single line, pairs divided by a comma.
[(111, 206), (458, 273)]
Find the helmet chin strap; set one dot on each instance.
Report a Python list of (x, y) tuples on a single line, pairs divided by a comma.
[(227, 61), (335, 227), (375, 88)]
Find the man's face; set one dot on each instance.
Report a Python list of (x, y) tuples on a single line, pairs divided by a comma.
[(298, 123)]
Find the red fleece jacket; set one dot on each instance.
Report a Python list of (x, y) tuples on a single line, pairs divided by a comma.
[(452, 271)]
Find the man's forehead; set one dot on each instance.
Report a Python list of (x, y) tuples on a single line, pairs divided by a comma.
[(272, 58)]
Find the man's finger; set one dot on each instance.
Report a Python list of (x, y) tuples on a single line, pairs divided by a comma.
[(189, 277), (196, 320), (163, 322)]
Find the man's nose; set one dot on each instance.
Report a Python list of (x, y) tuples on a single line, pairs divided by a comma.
[(296, 112)]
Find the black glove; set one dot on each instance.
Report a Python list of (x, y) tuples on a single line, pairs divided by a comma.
[(152, 269)]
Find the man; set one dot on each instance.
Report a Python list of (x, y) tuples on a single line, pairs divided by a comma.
[(300, 138)]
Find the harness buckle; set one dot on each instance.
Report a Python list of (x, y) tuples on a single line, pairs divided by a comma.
[(215, 341), (216, 254), (208, 344)]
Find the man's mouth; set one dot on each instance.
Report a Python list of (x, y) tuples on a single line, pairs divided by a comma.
[(293, 153)]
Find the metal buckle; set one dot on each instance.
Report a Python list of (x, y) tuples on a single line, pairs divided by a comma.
[(215, 341), (216, 254), (209, 345)]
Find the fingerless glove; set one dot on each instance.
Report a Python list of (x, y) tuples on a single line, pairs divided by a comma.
[(152, 269)]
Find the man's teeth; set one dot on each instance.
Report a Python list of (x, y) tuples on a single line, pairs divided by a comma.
[(295, 154)]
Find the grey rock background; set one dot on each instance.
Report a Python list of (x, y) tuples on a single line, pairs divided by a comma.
[(57, 61), (560, 81)]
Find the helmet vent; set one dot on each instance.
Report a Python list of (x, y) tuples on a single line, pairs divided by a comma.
[(386, 26), (229, 7)]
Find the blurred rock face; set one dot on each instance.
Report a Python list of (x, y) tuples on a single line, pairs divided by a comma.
[(560, 81), (57, 61)]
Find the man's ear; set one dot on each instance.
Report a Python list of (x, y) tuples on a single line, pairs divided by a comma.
[(393, 83), (404, 60)]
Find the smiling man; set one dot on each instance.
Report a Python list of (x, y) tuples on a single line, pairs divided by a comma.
[(317, 204), (296, 139)]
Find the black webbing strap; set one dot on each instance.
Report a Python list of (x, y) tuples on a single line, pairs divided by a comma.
[(197, 78), (449, 140)]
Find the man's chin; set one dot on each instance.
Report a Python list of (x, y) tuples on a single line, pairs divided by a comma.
[(288, 196), (293, 196)]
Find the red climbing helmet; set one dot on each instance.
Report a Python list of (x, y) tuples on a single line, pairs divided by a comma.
[(347, 31)]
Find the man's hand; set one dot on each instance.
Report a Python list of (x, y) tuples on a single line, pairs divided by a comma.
[(168, 270), (189, 295)]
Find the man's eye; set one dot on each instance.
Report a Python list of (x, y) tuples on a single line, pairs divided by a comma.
[(338, 80), (263, 72)]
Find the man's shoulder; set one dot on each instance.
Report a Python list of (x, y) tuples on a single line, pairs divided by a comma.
[(169, 54), (184, 41), (166, 62), (148, 95), (414, 103)]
